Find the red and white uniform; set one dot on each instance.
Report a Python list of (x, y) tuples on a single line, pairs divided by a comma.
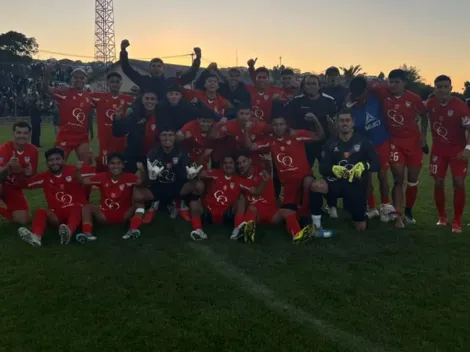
[(288, 153), (262, 102), (265, 203), (74, 112), (106, 105), (218, 105), (198, 146), (449, 124), (12, 193), (62, 191), (222, 195), (401, 115), (116, 195), (151, 131)]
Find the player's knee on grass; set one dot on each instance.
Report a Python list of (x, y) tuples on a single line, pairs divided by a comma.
[(21, 217)]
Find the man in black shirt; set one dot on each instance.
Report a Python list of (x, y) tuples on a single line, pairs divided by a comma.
[(346, 161), (169, 178), (334, 88)]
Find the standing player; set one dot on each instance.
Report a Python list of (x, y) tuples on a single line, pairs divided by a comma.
[(334, 88), (402, 109), (18, 161), (75, 105), (64, 195), (116, 187), (106, 105), (450, 128), (289, 85)]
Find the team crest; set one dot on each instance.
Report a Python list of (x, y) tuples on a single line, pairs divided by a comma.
[(434, 158), (153, 127), (357, 147), (121, 187), (288, 142), (122, 101), (63, 143), (253, 137), (266, 97), (175, 161), (392, 146), (232, 185), (450, 113), (87, 100), (408, 104), (68, 179), (27, 159), (346, 154)]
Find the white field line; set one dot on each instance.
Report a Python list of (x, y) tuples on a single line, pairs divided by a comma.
[(262, 293)]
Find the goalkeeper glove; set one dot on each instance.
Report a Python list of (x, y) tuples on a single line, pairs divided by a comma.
[(192, 171), (357, 170), (154, 171), (339, 171)]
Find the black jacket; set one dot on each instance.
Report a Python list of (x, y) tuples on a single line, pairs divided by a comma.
[(178, 115)]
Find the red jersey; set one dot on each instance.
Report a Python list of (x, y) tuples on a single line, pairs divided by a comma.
[(262, 102), (223, 191), (218, 105), (449, 122), (267, 198), (115, 194), (106, 105), (61, 191), (199, 147), (150, 139), (28, 156), (74, 110), (289, 154), (400, 112)]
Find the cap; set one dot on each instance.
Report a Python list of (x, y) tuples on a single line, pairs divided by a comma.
[(333, 70)]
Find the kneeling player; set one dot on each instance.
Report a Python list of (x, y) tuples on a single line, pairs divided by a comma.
[(65, 198), (258, 189), (115, 207)]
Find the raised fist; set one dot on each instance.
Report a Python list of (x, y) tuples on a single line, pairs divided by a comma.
[(251, 62), (197, 51), (125, 44)]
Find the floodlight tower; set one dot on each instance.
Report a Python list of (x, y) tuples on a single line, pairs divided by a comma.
[(105, 47)]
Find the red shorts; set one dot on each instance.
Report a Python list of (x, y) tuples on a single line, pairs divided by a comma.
[(383, 152), (266, 213), (115, 216), (69, 142), (14, 199), (439, 162), (291, 192), (63, 214), (217, 215), (406, 152)]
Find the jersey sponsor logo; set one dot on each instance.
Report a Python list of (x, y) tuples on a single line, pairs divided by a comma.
[(167, 176), (175, 161), (357, 147), (259, 114), (256, 199), (64, 198), (285, 161), (345, 164), (220, 197), (440, 130), (371, 122), (79, 115), (396, 117), (111, 204), (111, 113)]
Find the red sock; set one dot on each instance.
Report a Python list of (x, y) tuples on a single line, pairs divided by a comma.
[(250, 215), (4, 212), (136, 221), (292, 225), (384, 199), (440, 200), (39, 222), (238, 219), (196, 222), (371, 201), (410, 195), (75, 217), (460, 198), (87, 228)]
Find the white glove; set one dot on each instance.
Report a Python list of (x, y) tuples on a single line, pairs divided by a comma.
[(154, 171), (193, 171)]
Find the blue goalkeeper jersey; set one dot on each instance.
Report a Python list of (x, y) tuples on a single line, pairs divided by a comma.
[(369, 121)]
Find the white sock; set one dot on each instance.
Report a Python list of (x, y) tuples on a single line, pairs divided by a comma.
[(316, 220)]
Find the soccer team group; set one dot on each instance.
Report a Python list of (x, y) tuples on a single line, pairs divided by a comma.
[(239, 154)]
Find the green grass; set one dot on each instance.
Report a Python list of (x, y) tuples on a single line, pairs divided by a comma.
[(386, 289)]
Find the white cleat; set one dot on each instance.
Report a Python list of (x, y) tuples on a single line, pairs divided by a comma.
[(386, 211), (372, 213), (85, 237), (410, 221), (29, 237), (65, 234), (333, 212), (198, 235), (131, 234), (238, 232)]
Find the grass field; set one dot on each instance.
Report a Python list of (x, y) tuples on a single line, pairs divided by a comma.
[(383, 290)]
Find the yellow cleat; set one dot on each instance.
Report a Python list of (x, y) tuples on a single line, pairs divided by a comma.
[(249, 233), (305, 234)]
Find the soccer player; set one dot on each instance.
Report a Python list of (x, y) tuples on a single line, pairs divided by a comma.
[(367, 113), (210, 97), (334, 88), (65, 198), (288, 84), (450, 128), (407, 141), (169, 180), (346, 160), (18, 161), (258, 190), (116, 187), (106, 104), (75, 105)]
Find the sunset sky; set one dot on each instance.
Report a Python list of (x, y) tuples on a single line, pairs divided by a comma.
[(309, 34)]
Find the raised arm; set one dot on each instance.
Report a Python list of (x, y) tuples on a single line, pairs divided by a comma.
[(188, 77), (134, 76)]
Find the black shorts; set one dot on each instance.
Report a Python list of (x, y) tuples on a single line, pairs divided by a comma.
[(210, 217), (354, 197), (166, 193), (313, 151)]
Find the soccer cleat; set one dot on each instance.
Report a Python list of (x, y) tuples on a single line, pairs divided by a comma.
[(148, 217), (456, 227), (198, 235), (333, 212), (410, 220), (82, 238), (249, 233), (372, 213), (399, 224), (304, 235), (131, 234), (238, 232), (29, 237), (442, 221), (385, 212), (64, 234)]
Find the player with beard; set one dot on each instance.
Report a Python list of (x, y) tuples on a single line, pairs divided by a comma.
[(258, 190), (450, 128), (106, 104), (139, 124), (369, 121), (170, 178), (65, 198), (18, 161), (75, 105), (407, 140)]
